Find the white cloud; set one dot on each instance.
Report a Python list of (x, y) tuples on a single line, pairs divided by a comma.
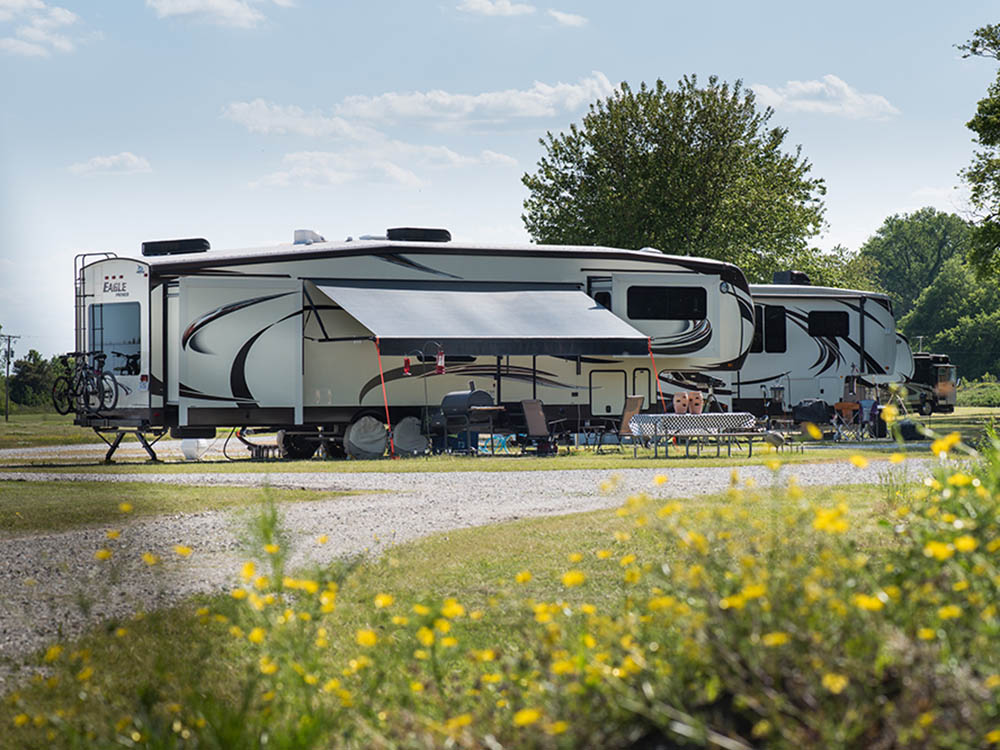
[(36, 33), (124, 163), (267, 118), (831, 96), (495, 7), (568, 19), (391, 162), (237, 13), (541, 100)]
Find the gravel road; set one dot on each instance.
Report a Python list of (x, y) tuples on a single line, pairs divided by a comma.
[(45, 577)]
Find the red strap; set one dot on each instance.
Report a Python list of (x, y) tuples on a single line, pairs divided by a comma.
[(656, 373), (385, 398)]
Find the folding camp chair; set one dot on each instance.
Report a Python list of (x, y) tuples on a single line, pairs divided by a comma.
[(541, 433), (621, 427)]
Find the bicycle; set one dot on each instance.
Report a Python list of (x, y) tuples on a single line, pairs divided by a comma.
[(89, 387), (131, 366)]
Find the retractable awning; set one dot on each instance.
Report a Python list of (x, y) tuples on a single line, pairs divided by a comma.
[(479, 318)]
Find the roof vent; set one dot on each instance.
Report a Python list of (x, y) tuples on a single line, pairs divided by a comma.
[(795, 278), (307, 237), (418, 234), (651, 250), (175, 247)]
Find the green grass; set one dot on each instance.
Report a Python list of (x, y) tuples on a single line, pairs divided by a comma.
[(54, 506), (38, 429)]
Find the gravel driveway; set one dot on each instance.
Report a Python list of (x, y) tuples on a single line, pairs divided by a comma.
[(44, 577)]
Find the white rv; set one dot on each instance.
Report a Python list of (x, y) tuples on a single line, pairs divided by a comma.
[(302, 337), (815, 343)]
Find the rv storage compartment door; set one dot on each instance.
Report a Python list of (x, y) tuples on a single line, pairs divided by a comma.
[(240, 351)]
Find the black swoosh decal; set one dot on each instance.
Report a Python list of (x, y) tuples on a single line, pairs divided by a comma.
[(400, 260), (212, 315)]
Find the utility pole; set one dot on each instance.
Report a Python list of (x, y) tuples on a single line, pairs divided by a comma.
[(6, 382)]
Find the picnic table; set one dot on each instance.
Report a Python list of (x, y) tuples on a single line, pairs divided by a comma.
[(717, 427)]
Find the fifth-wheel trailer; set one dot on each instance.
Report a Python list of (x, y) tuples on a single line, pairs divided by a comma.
[(310, 337), (814, 343)]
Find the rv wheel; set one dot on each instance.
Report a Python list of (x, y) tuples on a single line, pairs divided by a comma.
[(926, 407), (297, 447), (366, 438)]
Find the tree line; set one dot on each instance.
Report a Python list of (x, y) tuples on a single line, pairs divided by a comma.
[(31, 378), (701, 170)]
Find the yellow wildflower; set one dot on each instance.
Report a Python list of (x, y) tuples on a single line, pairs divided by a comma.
[(938, 550), (949, 612), (993, 737), (603, 554), (659, 479), (366, 638), (452, 609), (383, 600), (21, 720), (271, 549), (267, 665), (526, 716), (557, 727), (52, 652), (323, 539), (926, 634), (103, 554), (814, 432), (776, 638), (416, 687), (425, 636), (125, 507), (966, 543), (112, 533), (257, 635), (523, 577), (421, 609), (182, 550), (150, 559), (890, 413), (457, 722), (400, 620), (860, 461), (573, 578), (834, 682), (870, 603), (248, 570), (897, 458)]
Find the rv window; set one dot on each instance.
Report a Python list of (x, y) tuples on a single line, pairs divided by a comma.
[(828, 323), (774, 329), (114, 327), (603, 299), (667, 303), (757, 345)]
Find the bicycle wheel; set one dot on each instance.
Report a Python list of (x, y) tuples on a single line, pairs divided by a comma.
[(108, 389), (62, 395), (89, 393)]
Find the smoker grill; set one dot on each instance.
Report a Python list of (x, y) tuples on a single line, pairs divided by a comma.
[(456, 414)]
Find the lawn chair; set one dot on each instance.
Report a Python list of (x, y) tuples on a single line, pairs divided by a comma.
[(621, 427), (541, 433)]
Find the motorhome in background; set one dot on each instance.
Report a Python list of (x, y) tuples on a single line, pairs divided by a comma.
[(302, 337), (932, 385), (815, 344)]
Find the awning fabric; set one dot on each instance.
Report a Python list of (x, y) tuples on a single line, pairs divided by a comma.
[(477, 318)]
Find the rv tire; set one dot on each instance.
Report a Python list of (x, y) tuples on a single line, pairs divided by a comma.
[(926, 407)]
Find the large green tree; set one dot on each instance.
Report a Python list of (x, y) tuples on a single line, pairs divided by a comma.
[(983, 175), (696, 170), (31, 380), (909, 251)]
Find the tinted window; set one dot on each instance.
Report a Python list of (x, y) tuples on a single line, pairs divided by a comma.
[(774, 329), (757, 345), (115, 327), (603, 299), (828, 323), (667, 303)]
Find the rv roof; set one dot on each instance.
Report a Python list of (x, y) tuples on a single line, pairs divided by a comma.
[(326, 249), (800, 290)]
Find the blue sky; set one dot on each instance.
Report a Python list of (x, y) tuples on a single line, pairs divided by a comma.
[(242, 120)]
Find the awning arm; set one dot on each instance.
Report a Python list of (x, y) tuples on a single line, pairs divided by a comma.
[(312, 308), (341, 338)]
